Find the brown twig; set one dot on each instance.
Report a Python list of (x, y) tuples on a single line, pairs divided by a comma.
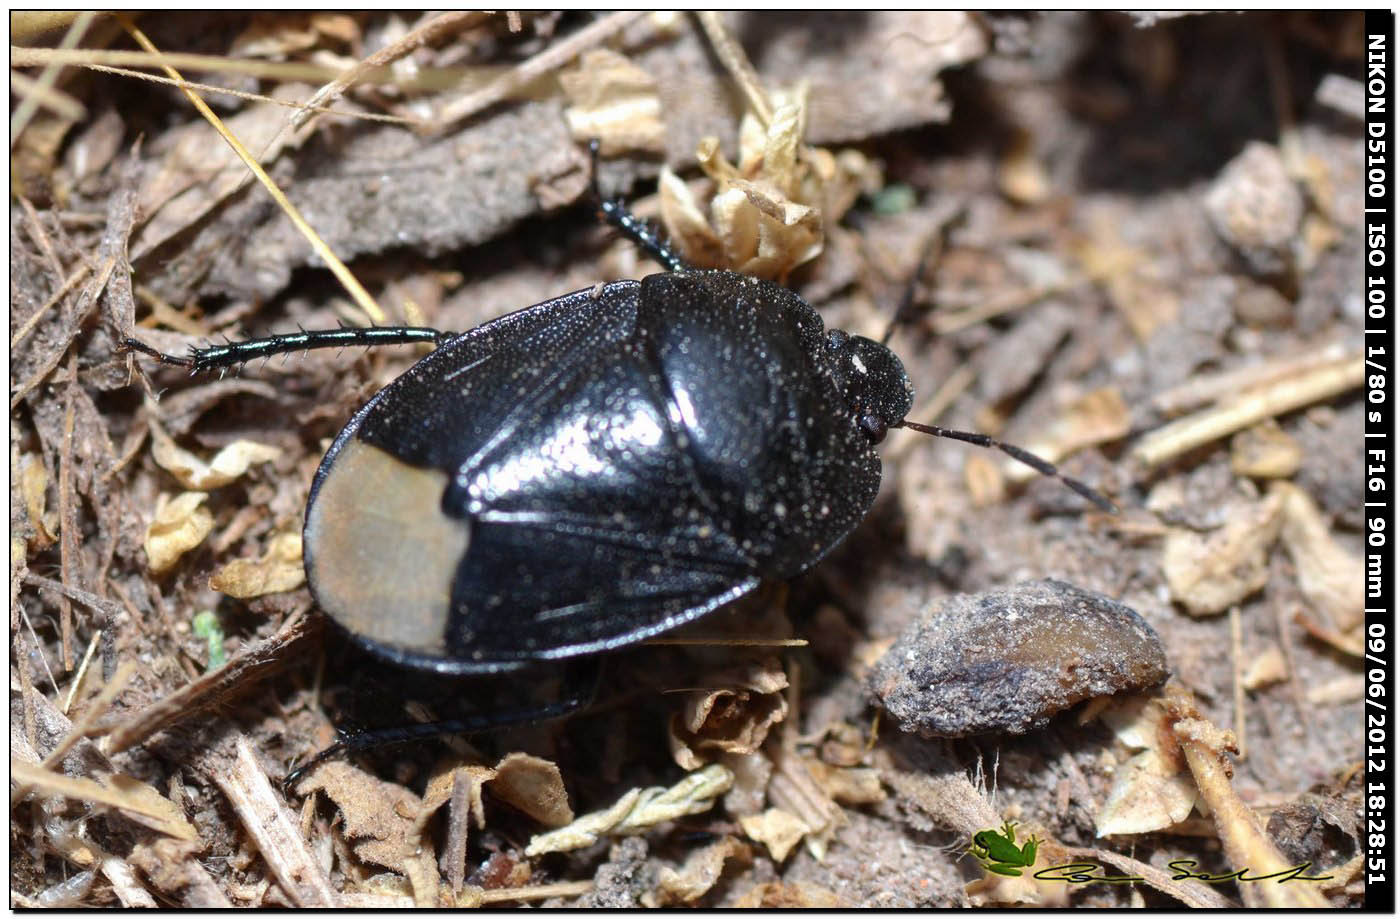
[(547, 61)]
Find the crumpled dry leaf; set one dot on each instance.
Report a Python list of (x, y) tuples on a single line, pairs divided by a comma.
[(1267, 667), (534, 787), (614, 101), (1332, 579), (1208, 573), (734, 718), (180, 524), (194, 473), (777, 829), (1349, 687), (767, 213), (992, 888), (528, 783), (279, 35), (1265, 451), (751, 774), (699, 873), (638, 810), (1149, 793), (847, 784), (1152, 790), (439, 789), (795, 789), (379, 819), (33, 485), (279, 568)]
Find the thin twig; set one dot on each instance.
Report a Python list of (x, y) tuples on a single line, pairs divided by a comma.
[(30, 103), (547, 61), (72, 280), (1249, 408), (378, 61), (82, 671), (55, 100), (308, 107), (732, 55), (67, 519), (347, 280)]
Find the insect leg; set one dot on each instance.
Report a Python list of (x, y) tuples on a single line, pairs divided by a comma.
[(933, 250), (642, 233), (1020, 455), (232, 354), (580, 688)]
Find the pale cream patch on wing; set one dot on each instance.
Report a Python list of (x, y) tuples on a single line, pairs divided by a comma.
[(383, 554)]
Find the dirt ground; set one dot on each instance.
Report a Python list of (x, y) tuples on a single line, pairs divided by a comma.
[(1137, 245)]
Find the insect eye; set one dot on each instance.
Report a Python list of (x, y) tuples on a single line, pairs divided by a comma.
[(874, 427)]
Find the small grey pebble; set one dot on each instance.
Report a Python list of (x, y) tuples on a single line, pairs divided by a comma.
[(1006, 660)]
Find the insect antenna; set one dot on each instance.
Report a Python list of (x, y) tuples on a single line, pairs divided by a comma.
[(234, 354), (1020, 455)]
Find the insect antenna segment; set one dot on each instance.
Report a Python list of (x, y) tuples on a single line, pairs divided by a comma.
[(1019, 454)]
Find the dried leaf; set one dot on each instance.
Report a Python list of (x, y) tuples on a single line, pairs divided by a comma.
[(1267, 667), (180, 524), (794, 789), (279, 569), (767, 214), (1149, 793), (848, 785), (1265, 451), (1021, 175), (1025, 890), (777, 829), (136, 798), (751, 774), (528, 783), (197, 174), (378, 818), (533, 786), (733, 719), (638, 810), (1349, 687), (194, 473), (164, 815), (1151, 790), (699, 873), (1332, 579), (33, 484), (278, 36), (1209, 573), (614, 101)]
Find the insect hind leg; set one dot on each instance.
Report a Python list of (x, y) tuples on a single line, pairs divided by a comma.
[(232, 354), (581, 682)]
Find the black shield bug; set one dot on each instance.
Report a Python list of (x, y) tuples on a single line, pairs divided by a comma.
[(595, 469)]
